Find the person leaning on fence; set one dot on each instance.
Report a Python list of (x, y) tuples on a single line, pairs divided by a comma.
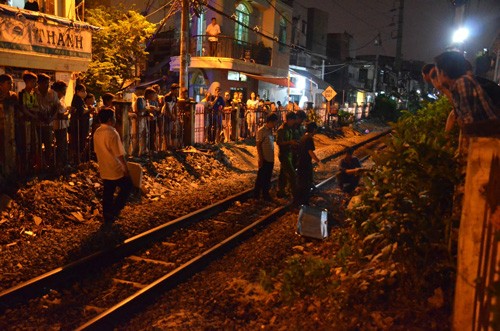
[(79, 124), (242, 116), (265, 151), (213, 31), (252, 105), (235, 123), (153, 108), (168, 113), (26, 136), (227, 125), (107, 100), (49, 106), (472, 106), (143, 118), (8, 107), (112, 166), (61, 124), (217, 105)]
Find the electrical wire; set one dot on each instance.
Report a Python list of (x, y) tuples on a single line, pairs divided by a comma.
[(165, 5)]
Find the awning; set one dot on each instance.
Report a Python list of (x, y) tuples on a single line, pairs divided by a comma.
[(321, 83), (281, 81)]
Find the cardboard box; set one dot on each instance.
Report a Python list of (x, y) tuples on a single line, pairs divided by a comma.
[(135, 170)]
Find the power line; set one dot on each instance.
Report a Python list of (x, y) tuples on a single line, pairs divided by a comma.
[(165, 5)]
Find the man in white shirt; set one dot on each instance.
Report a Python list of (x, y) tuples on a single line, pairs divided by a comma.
[(265, 151), (112, 166), (213, 30)]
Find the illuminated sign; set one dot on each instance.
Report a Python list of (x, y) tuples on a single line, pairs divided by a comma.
[(236, 76)]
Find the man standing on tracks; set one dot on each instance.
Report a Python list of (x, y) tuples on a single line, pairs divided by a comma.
[(265, 151), (304, 165), (112, 166), (286, 143)]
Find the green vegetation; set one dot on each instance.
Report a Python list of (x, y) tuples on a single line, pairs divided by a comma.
[(118, 49), (408, 196), (399, 236), (385, 109), (305, 276)]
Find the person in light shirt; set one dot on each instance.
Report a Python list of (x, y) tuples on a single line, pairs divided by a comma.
[(213, 30), (112, 166)]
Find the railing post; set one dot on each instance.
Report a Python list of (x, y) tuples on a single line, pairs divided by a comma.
[(478, 258)]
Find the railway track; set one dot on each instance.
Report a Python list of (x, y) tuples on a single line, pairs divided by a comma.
[(102, 289)]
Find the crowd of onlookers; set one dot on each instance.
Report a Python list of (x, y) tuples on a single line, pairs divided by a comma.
[(40, 133)]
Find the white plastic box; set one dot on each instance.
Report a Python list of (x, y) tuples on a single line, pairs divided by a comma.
[(312, 222)]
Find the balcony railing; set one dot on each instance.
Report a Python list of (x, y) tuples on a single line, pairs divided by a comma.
[(232, 48)]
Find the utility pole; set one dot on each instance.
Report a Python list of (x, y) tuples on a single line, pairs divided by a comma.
[(378, 43), (399, 37), (183, 70)]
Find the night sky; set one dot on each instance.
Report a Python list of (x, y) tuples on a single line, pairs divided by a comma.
[(427, 30)]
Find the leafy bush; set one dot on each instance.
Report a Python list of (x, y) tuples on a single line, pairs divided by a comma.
[(406, 207), (345, 118), (385, 109), (305, 276)]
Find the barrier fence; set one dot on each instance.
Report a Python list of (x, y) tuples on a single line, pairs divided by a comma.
[(141, 134)]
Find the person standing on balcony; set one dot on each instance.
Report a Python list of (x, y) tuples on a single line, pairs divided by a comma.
[(213, 30)]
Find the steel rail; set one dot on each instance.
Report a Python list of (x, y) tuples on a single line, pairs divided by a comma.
[(41, 284), (116, 314)]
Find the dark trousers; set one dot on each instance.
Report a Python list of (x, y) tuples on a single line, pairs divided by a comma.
[(213, 48), (263, 181), (347, 183), (287, 175), (304, 185), (111, 206), (61, 147)]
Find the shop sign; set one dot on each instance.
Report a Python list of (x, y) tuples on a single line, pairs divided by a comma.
[(44, 38)]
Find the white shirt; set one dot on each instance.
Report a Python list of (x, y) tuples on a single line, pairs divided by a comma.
[(48, 103), (108, 147), (252, 104), (213, 30), (60, 124), (265, 136)]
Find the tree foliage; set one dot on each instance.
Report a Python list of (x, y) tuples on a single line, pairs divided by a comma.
[(385, 109), (118, 48)]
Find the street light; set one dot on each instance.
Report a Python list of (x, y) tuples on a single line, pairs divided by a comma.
[(460, 35)]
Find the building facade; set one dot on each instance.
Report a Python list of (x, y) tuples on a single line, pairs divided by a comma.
[(252, 53), (54, 41)]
